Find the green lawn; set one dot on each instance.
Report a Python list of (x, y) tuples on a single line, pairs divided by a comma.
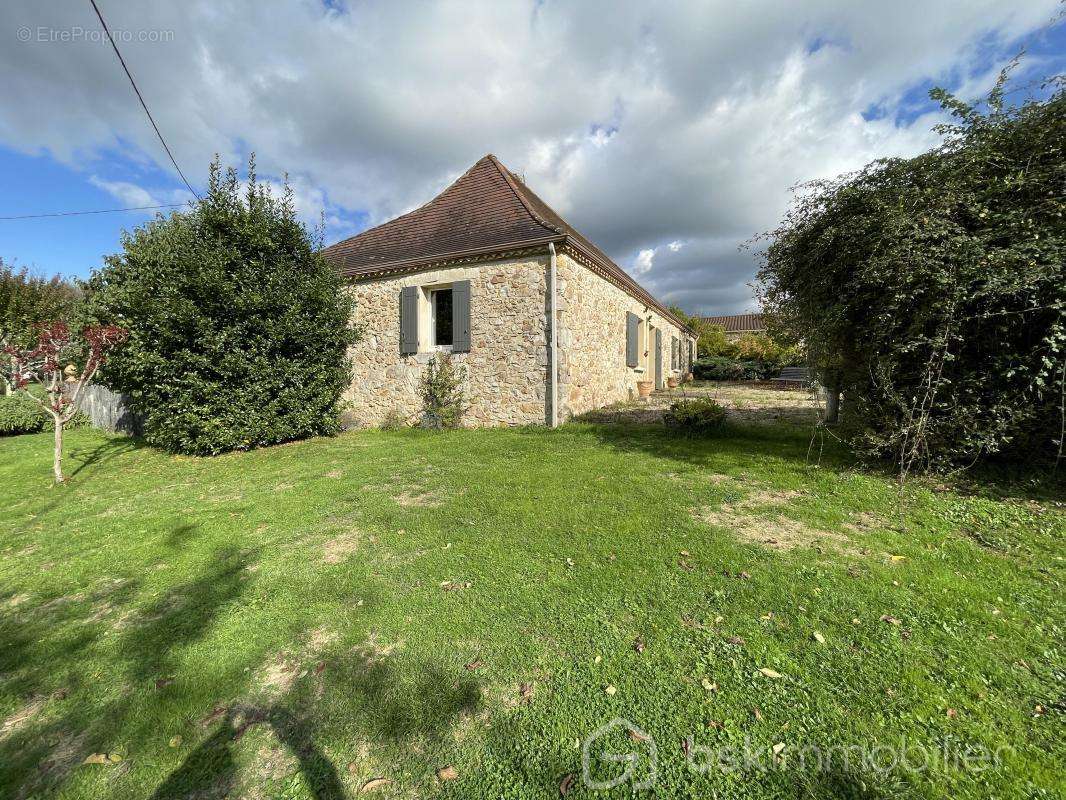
[(298, 621)]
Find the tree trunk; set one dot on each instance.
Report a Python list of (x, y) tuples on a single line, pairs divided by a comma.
[(832, 405), (57, 458)]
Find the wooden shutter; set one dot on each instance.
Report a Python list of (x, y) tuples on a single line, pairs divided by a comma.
[(408, 320), (673, 352), (632, 335), (461, 317)]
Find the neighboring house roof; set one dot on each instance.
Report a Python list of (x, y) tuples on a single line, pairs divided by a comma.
[(738, 323), (487, 211)]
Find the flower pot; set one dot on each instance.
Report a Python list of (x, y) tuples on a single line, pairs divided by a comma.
[(671, 382), (644, 388), (689, 377)]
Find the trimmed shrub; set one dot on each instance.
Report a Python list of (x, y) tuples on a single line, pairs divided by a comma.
[(239, 329), (699, 416), (717, 368), (20, 414)]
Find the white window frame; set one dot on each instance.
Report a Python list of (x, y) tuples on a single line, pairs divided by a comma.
[(431, 291)]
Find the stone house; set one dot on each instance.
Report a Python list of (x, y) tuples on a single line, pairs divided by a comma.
[(477, 272), (737, 325)]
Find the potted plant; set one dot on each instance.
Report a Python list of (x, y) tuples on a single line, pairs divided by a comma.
[(644, 388), (671, 382)]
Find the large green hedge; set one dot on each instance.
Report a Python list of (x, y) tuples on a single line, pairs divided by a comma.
[(932, 290), (239, 329)]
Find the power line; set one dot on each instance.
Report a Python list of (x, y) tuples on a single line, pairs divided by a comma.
[(137, 91), (101, 211)]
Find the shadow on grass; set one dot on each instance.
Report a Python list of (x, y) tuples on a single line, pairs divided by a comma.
[(105, 451), (82, 675), (367, 697), (789, 443), (185, 614)]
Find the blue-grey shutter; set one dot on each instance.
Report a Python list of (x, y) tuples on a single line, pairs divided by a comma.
[(408, 320), (673, 352), (461, 317), (632, 335)]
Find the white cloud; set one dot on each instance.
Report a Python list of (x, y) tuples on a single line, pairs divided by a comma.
[(135, 196), (644, 124), (644, 261)]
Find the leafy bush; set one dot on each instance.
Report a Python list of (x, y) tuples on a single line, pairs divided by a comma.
[(932, 292), (698, 416), (239, 329), (20, 414), (719, 368), (441, 390)]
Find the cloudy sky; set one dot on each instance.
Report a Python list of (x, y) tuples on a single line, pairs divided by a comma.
[(668, 133)]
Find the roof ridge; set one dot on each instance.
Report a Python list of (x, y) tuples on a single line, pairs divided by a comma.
[(511, 182), (416, 209)]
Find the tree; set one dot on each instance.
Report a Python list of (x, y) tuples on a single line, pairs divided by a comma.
[(43, 365), (239, 329), (28, 300), (931, 290), (710, 339)]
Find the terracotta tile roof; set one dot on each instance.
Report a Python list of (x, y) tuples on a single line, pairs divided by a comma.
[(487, 210), (738, 323)]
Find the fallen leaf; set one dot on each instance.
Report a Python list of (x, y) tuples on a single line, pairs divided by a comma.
[(567, 784), (161, 683), (526, 692), (447, 773), (757, 714), (1039, 710), (769, 673), (569, 562), (96, 758), (639, 645), (686, 745), (685, 565), (319, 667), (715, 724), (818, 637), (375, 783), (175, 741), (897, 558), (778, 749), (890, 620), (114, 758), (685, 553), (952, 713), (598, 658), (856, 621), (609, 690), (735, 640), (743, 575), (637, 737), (709, 685), (767, 616), (477, 663)]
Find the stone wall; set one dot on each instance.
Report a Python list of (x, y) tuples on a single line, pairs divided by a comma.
[(507, 362), (592, 339)]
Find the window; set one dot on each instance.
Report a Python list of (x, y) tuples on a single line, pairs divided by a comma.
[(440, 303)]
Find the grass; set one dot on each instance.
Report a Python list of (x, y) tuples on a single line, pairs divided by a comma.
[(298, 621)]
